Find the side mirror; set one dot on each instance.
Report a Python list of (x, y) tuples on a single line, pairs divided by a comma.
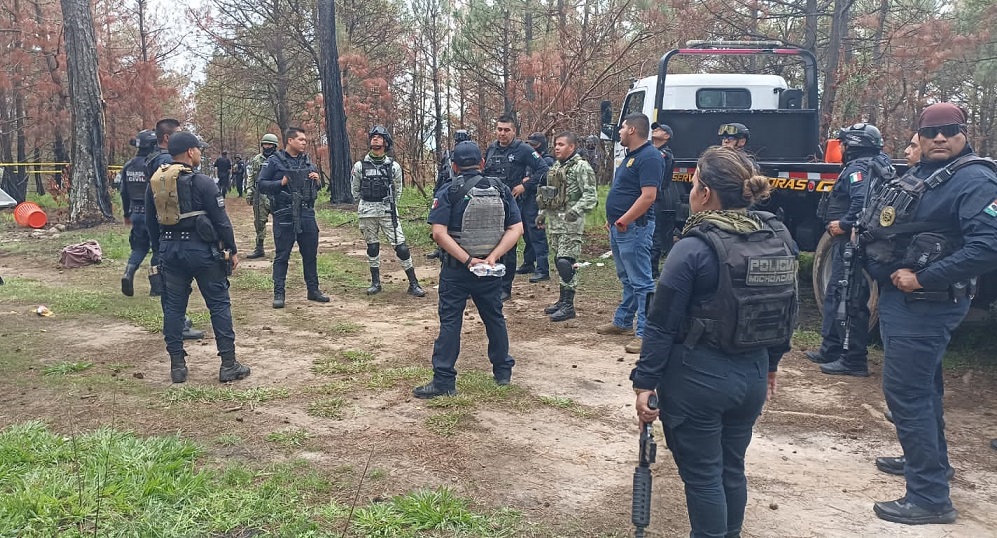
[(606, 118)]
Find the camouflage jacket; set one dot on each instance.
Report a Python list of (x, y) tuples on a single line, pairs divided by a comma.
[(253, 167)]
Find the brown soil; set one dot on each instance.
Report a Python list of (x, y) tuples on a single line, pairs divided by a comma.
[(810, 465)]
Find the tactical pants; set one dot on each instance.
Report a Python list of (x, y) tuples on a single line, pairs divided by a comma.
[(138, 238), (456, 285), (536, 251), (261, 211), (664, 238), (284, 239), (566, 242), (224, 184), (632, 256), (239, 184), (831, 346), (915, 335), (183, 262), (373, 227), (710, 402)]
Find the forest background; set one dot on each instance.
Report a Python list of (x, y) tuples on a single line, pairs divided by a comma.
[(233, 70)]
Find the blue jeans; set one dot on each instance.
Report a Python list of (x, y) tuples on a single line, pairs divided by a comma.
[(915, 335), (138, 239), (709, 405), (457, 284), (832, 344), (184, 262), (632, 256)]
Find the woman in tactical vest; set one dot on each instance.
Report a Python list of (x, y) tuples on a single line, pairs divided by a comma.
[(721, 318)]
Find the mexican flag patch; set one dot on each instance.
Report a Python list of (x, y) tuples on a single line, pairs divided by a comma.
[(855, 177), (991, 209)]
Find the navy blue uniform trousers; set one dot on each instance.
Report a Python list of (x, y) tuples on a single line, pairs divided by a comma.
[(182, 263), (915, 335), (833, 334), (457, 284), (138, 238), (709, 404), (284, 239), (536, 251)]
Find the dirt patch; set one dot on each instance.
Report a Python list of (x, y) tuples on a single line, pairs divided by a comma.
[(567, 467)]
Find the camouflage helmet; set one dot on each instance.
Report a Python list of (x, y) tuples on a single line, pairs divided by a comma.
[(144, 139), (382, 131), (269, 138), (861, 135)]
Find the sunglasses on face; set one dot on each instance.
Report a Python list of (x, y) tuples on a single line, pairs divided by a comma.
[(948, 131)]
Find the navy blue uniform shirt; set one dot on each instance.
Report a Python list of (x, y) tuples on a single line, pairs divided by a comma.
[(157, 158), (273, 170), (520, 157), (853, 183), (451, 215), (691, 273), (642, 167)]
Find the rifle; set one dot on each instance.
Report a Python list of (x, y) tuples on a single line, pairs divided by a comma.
[(390, 199), (641, 509), (302, 190)]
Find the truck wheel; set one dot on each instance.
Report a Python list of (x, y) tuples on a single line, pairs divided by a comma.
[(822, 275)]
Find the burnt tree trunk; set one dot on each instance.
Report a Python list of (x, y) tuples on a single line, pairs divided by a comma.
[(89, 201), (335, 111)]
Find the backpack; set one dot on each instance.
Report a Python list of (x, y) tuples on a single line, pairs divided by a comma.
[(171, 194)]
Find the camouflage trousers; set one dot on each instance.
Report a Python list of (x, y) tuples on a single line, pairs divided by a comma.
[(565, 240), (261, 211), (372, 228)]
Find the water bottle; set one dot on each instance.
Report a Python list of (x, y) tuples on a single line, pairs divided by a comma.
[(483, 269)]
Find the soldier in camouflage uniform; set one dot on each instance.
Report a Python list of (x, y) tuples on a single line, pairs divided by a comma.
[(569, 194), (259, 201), (377, 182)]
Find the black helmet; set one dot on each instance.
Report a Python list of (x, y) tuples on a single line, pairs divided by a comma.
[(460, 136), (144, 139), (380, 130), (737, 130), (861, 135)]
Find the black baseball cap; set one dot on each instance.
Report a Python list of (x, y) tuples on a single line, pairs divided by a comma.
[(181, 141), (663, 127), (466, 153), (539, 138)]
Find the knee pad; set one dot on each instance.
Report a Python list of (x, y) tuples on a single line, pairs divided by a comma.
[(373, 249), (565, 268), (402, 251)]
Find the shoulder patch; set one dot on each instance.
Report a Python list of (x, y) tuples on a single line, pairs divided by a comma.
[(221, 200), (855, 177), (991, 209), (436, 203), (536, 155)]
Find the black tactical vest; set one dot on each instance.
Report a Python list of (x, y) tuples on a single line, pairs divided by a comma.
[(375, 180), (756, 302), (890, 230), (498, 165), (134, 180), (834, 204)]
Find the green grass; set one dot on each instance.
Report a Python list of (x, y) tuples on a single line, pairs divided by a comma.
[(437, 512), (805, 338), (566, 404), (229, 439), (225, 394), (346, 328), (338, 269), (252, 280), (344, 362), (327, 408), (64, 368), (391, 377), (446, 424), (288, 438)]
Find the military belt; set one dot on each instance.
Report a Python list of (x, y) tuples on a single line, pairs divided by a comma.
[(176, 236), (939, 296)]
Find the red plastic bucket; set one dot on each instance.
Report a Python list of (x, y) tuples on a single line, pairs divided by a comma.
[(29, 214)]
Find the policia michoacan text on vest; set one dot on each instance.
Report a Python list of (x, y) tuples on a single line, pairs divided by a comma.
[(755, 305), (889, 230), (483, 221), (375, 179)]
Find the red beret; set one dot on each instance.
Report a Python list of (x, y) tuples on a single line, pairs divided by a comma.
[(940, 114)]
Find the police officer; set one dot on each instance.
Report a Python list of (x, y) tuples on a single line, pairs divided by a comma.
[(445, 174), (156, 159), (223, 168), (291, 181), (666, 204), (259, 201), (569, 195), (912, 153), (190, 229), (518, 166), (239, 174), (133, 184), (630, 221), (865, 164), (535, 253), (930, 233), (475, 221), (707, 358), (734, 135), (377, 182)]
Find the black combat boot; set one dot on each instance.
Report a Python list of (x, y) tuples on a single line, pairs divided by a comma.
[(258, 253), (375, 281), (128, 280), (178, 368), (556, 306), (317, 296), (278, 299), (155, 284), (231, 369), (189, 332), (567, 310), (413, 283)]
